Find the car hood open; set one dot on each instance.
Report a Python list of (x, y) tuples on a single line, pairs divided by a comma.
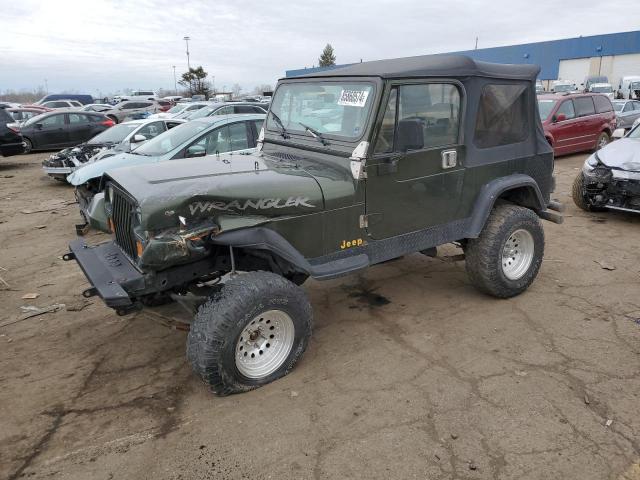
[(623, 154), (219, 185)]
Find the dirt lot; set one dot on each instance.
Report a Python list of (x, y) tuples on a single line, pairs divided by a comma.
[(411, 373)]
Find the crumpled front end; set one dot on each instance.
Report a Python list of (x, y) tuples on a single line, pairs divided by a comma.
[(610, 188), (64, 162)]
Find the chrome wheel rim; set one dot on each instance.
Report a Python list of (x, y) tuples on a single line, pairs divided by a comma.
[(517, 254), (264, 344)]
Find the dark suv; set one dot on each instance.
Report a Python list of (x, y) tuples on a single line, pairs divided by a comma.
[(357, 166), (11, 142), (576, 122)]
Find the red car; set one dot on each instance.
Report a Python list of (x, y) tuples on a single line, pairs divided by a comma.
[(576, 122)]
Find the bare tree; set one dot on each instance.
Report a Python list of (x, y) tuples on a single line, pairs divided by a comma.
[(236, 89)]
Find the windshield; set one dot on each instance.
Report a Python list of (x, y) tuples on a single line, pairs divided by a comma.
[(115, 134), (545, 107), (603, 89), (177, 108), (563, 88), (167, 141), (199, 113), (618, 106), (332, 108), (635, 133)]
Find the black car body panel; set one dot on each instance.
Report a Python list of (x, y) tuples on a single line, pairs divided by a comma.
[(59, 129), (11, 142)]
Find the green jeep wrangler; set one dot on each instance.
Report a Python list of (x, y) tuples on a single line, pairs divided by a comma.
[(356, 166)]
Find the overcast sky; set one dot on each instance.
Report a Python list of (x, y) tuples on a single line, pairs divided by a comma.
[(96, 46)]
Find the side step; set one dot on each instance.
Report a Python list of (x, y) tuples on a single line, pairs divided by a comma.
[(338, 268)]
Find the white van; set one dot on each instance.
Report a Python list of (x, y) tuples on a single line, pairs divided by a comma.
[(629, 87), (140, 95)]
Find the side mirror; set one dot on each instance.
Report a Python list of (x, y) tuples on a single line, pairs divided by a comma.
[(137, 138), (561, 117), (410, 135), (618, 133), (196, 151), (39, 126)]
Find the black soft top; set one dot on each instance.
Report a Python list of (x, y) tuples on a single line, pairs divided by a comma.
[(432, 66)]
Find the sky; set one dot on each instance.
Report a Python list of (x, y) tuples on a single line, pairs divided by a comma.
[(100, 47)]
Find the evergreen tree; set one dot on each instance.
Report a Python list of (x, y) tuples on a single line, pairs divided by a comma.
[(327, 58)]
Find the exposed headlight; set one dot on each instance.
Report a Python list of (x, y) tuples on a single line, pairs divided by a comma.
[(593, 161)]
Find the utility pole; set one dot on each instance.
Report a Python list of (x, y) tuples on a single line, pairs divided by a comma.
[(476, 44), (186, 38), (175, 83), (46, 86)]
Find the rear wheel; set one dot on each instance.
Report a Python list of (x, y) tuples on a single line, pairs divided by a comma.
[(505, 259), (28, 145), (250, 333), (603, 140)]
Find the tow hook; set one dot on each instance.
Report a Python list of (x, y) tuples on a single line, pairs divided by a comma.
[(126, 310)]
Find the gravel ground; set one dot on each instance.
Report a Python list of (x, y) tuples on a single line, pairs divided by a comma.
[(411, 373)]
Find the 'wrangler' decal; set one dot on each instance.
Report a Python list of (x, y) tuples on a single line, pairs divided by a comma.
[(260, 204)]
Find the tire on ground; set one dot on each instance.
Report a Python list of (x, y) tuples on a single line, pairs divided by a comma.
[(216, 329), (602, 141), (577, 192), (484, 254)]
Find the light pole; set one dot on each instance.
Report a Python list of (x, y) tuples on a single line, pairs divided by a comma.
[(175, 83), (46, 86), (186, 40)]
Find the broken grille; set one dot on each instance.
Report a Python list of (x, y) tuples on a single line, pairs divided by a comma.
[(122, 211)]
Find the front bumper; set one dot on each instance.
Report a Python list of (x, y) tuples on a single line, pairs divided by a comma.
[(58, 170), (111, 274)]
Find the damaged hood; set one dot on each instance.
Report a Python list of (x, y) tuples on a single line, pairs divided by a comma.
[(623, 154), (232, 185), (95, 169)]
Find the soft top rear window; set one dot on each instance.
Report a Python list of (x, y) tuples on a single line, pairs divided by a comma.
[(503, 116)]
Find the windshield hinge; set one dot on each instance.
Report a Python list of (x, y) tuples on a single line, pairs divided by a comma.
[(364, 221)]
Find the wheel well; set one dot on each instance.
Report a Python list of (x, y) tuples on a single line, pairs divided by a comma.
[(524, 196), (607, 131)]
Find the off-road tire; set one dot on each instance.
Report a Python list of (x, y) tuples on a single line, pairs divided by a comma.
[(216, 328), (483, 255), (28, 145)]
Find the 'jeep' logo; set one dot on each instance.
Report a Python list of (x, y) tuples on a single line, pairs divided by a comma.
[(261, 204)]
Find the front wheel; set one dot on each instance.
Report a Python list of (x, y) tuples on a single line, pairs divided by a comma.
[(505, 259), (250, 333)]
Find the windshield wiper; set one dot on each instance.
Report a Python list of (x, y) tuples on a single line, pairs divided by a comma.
[(283, 131), (314, 133)]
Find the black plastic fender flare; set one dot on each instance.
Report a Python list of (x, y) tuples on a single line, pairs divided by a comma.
[(492, 191), (261, 238)]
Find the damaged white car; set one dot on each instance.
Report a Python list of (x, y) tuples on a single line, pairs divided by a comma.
[(124, 137), (610, 178)]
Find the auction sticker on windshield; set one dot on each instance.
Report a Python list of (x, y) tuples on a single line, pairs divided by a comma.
[(353, 98)]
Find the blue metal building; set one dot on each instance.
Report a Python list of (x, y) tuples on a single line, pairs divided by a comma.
[(614, 54)]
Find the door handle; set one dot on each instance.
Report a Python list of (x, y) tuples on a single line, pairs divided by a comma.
[(449, 158)]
